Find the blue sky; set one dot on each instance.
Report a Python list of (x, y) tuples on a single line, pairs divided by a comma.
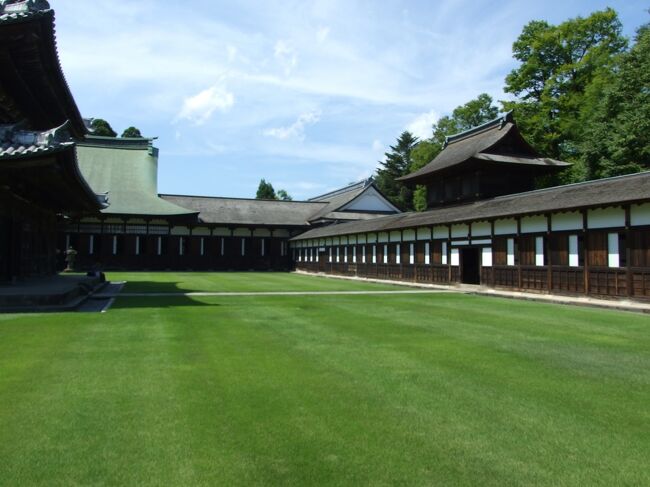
[(308, 95)]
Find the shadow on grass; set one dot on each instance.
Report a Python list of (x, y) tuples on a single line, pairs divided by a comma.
[(158, 302)]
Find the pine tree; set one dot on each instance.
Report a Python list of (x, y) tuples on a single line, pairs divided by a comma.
[(265, 191), (397, 164)]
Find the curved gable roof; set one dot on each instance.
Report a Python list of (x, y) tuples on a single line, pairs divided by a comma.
[(496, 141)]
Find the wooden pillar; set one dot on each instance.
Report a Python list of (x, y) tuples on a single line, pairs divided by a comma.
[(493, 278), (448, 254), (549, 264), (518, 254), (585, 239), (628, 252)]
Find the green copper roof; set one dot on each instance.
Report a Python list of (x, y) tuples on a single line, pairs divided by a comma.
[(127, 170)]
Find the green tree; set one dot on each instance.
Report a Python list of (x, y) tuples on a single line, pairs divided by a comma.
[(421, 155), (265, 191), (396, 164), (557, 64), (131, 132), (464, 117), (617, 120), (283, 195), (102, 127)]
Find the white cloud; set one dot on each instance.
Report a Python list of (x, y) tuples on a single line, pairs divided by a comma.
[(296, 129), (377, 146), (200, 107), (420, 126), (322, 34), (232, 52), (286, 55)]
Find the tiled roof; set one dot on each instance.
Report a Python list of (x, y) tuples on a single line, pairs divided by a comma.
[(610, 191), (21, 11), (16, 143), (126, 169), (480, 143), (242, 211)]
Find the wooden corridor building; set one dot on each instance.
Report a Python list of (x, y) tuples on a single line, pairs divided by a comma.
[(588, 238)]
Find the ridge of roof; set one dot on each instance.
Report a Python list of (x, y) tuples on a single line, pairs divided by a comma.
[(117, 142), (350, 187), (238, 199), (570, 185), (499, 121)]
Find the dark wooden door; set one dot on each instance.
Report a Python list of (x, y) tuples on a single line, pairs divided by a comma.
[(470, 266)]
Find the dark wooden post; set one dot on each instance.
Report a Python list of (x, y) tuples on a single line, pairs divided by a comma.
[(518, 253), (628, 252), (493, 277), (549, 264), (585, 240)]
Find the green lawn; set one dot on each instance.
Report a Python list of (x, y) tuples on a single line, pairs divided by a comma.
[(173, 282), (436, 389)]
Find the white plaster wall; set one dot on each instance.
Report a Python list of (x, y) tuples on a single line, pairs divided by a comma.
[(505, 227), (606, 217), (352, 239), (179, 231), (534, 224), (154, 222), (440, 232), (261, 232), (369, 200), (395, 236), (461, 230), (481, 229), (566, 221), (640, 214), (574, 257), (371, 237), (336, 240), (281, 233), (409, 235), (455, 259), (242, 232), (382, 237), (201, 231), (486, 257), (423, 233)]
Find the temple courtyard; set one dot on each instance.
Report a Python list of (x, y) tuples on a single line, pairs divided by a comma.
[(370, 384)]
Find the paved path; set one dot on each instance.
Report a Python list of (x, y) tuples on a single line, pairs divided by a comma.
[(618, 304)]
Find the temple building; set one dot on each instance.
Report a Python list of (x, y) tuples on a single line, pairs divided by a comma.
[(486, 226), (40, 181), (145, 230)]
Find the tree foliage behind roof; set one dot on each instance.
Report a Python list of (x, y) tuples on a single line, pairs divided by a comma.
[(397, 163), (581, 95), (558, 64), (131, 132), (102, 128), (265, 191), (616, 118)]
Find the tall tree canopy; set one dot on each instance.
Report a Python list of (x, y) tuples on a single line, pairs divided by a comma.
[(397, 163), (102, 127), (283, 195), (131, 132), (557, 65), (265, 191), (616, 120)]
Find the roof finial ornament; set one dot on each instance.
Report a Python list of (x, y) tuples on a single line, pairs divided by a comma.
[(23, 6)]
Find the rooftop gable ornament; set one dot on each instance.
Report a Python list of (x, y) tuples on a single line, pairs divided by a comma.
[(23, 6)]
